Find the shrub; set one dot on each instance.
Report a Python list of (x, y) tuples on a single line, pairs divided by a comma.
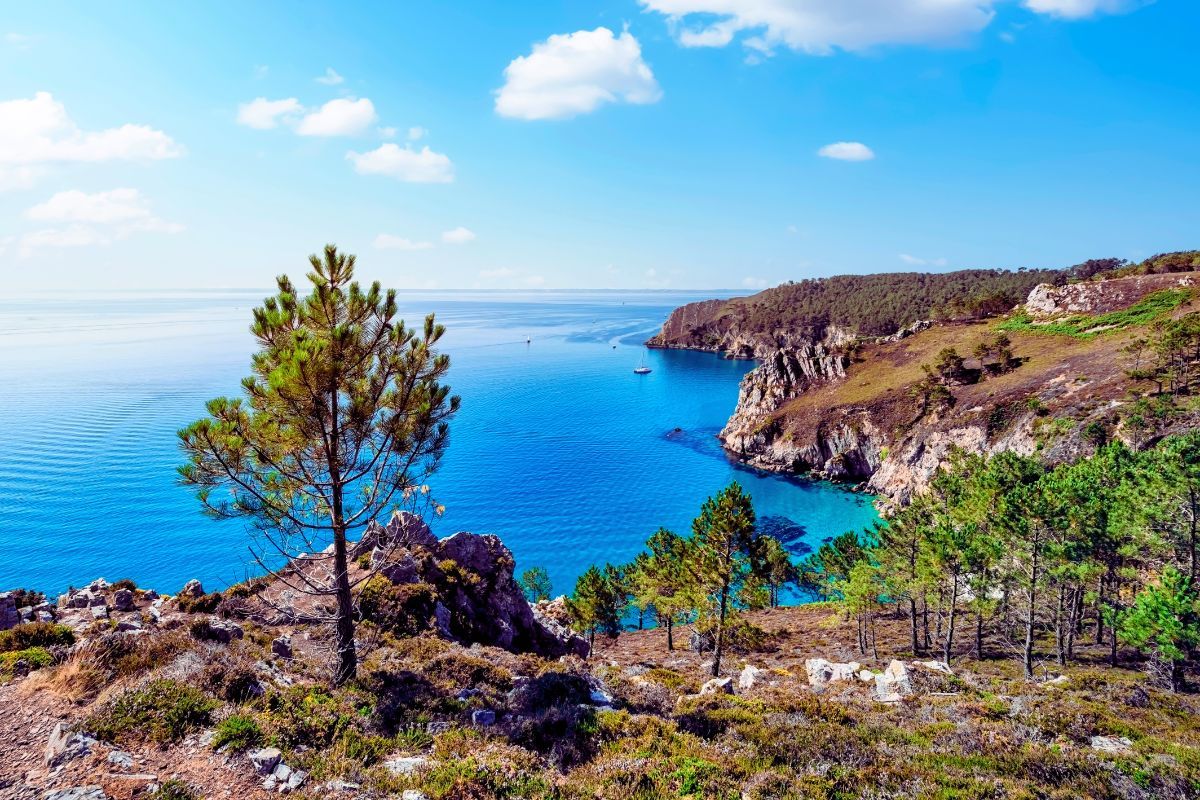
[(403, 609), (550, 689), (163, 711), (458, 671), (312, 716), (230, 680), (125, 583), (27, 597), (204, 604), (36, 634), (31, 659), (240, 732), (172, 789)]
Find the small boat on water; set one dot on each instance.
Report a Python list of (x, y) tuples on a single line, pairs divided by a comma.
[(641, 368)]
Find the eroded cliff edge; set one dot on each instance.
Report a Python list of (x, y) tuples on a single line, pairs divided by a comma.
[(832, 400)]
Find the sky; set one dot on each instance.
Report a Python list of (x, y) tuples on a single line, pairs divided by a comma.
[(569, 144)]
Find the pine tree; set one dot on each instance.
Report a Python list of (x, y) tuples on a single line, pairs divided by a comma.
[(343, 418), (599, 602), (663, 581), (725, 553), (535, 582), (1165, 622), (777, 569)]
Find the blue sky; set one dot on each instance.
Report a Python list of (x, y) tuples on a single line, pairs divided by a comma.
[(631, 144)]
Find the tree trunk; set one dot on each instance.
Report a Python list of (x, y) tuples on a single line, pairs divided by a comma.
[(670, 633), (347, 657), (1031, 608), (979, 635), (912, 625), (950, 622), (1100, 610), (720, 642), (1060, 635)]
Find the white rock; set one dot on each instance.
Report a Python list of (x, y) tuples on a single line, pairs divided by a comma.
[(936, 666), (405, 765), (820, 671), (1111, 744), (893, 683), (413, 794), (749, 676), (66, 745), (76, 793), (265, 760), (718, 686)]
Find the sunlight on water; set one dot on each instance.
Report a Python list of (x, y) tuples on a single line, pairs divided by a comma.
[(559, 448)]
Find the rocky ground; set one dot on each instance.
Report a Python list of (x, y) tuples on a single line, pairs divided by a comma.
[(191, 703)]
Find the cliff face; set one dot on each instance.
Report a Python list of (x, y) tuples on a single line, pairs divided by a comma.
[(827, 402)]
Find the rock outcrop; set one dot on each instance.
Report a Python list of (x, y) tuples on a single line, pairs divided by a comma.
[(488, 606)]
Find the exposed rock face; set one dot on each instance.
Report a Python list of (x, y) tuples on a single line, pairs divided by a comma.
[(489, 607), (9, 616), (494, 610), (1097, 297), (821, 672)]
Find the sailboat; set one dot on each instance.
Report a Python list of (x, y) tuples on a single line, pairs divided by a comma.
[(642, 369)]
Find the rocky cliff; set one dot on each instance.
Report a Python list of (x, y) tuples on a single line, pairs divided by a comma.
[(856, 408)]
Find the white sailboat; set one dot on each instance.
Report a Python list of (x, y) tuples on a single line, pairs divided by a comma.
[(642, 369)]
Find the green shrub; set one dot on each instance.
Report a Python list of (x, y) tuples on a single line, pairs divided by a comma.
[(34, 658), (36, 634), (403, 609), (204, 604), (239, 731), (163, 711), (172, 789), (313, 716), (125, 583)]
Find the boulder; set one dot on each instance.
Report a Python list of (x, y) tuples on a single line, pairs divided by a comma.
[(223, 630), (717, 686), (820, 671), (483, 717), (76, 793), (405, 765), (192, 589), (99, 612), (282, 646), (129, 624), (1111, 744), (553, 611), (98, 585), (265, 760), (893, 683), (45, 616), (492, 610), (123, 600), (402, 569), (935, 666), (749, 677), (599, 697), (403, 531), (701, 642), (120, 759), (413, 794), (96, 599), (66, 744), (9, 616)]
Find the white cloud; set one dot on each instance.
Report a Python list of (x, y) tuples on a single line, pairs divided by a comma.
[(263, 114), (495, 274), (459, 235), (330, 78), (388, 132), (576, 73), (923, 262), (847, 151), (118, 205), (751, 282), (386, 241), (21, 177), (91, 219), (821, 26), (261, 71), (341, 117), (416, 132), (38, 130), (1078, 9), (405, 164)]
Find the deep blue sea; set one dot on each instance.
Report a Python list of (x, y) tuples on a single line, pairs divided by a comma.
[(559, 448)]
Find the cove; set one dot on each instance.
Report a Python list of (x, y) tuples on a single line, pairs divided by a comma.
[(559, 448)]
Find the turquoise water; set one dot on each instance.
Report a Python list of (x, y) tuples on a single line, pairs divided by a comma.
[(559, 448)]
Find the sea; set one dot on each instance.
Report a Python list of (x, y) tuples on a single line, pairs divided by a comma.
[(559, 448)]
